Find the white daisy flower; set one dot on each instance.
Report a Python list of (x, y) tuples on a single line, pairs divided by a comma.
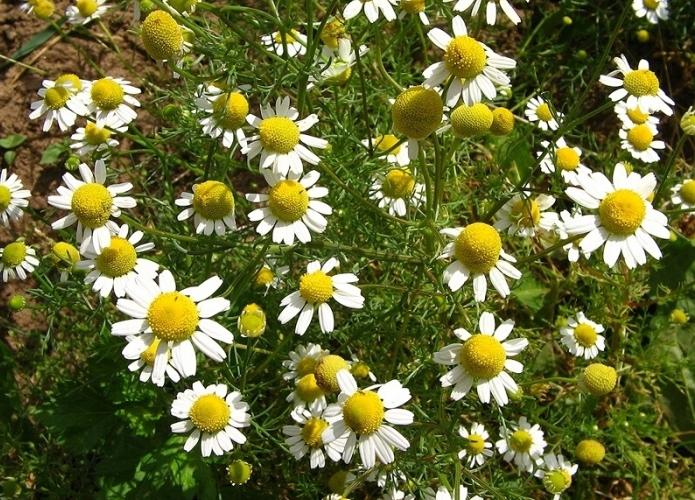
[(212, 416), (653, 10), (117, 265), (307, 394), (211, 204), (61, 100), (640, 86), (85, 11), (482, 360), (538, 110), (144, 361), (522, 443), (16, 260), (305, 438), (110, 101), (302, 361), (316, 288), (371, 9), (293, 41), (388, 142), (639, 141), (624, 220), (682, 194), (270, 275), (415, 8), (91, 204), (360, 369), (337, 63), (293, 207), (581, 337), (92, 138), (397, 190), (474, 68), (478, 448), (490, 9), (477, 250), (564, 158), (633, 116), (281, 139), (362, 416), (180, 321), (556, 474), (573, 249), (524, 215), (443, 493), (226, 113), (12, 197)]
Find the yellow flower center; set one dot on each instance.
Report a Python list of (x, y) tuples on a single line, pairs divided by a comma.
[(637, 116), (308, 389), (5, 197), (44, 9), (651, 4), (467, 121), (556, 481), (641, 82), (326, 372), (363, 412), (476, 444), (288, 37), (56, 97), (622, 212), (173, 316), (417, 112), (398, 183), (386, 142), (150, 353), (70, 82), (341, 78), (688, 192), (252, 321), (585, 335), (117, 259), (107, 94), (306, 365), (86, 7), (312, 430), (478, 247), (590, 451), (14, 254), (288, 200), (521, 441), (599, 379), (265, 276), (413, 6), (210, 413), (279, 134), (502, 121), (239, 472), (360, 370), (543, 112), (640, 136), (95, 135), (66, 253), (161, 36), (566, 159), (231, 110), (91, 204), (482, 356), (465, 57), (213, 200), (525, 212), (332, 32), (316, 288)]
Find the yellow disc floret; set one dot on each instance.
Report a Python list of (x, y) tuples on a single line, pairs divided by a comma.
[(148, 355), (210, 413), (265, 276), (413, 6), (637, 116), (312, 430), (117, 259), (305, 366), (521, 441), (14, 253), (86, 7), (44, 9), (69, 81), (476, 444), (95, 135), (585, 335), (641, 82), (386, 143), (326, 372), (417, 112), (465, 57), (651, 4), (482, 356), (590, 451), (91, 203), (5, 197), (363, 412), (525, 212), (687, 192), (622, 212), (66, 253), (161, 36), (640, 137), (467, 121), (332, 32), (213, 200), (566, 159), (231, 110), (398, 183), (478, 247), (252, 321), (288, 200), (279, 134), (56, 97), (360, 370), (599, 379), (556, 481), (316, 287), (107, 94), (308, 389), (543, 112), (173, 316), (502, 121)]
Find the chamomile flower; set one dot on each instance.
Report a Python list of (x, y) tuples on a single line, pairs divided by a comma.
[(624, 220), (397, 190), (305, 438), (360, 369), (682, 194), (564, 158), (91, 204), (478, 448), (13, 197), (538, 110), (415, 8), (416, 113), (581, 337), (293, 207), (143, 357), (523, 443), (388, 144), (85, 11), (211, 204), (633, 116), (226, 113), (371, 9), (92, 138), (316, 288), (162, 37), (474, 69), (443, 493), (337, 64), (17, 261), (179, 321), (293, 41), (639, 141), (270, 275), (61, 101), (524, 215), (302, 361), (477, 250), (640, 86), (490, 9), (307, 394), (573, 249), (281, 140), (65, 257), (212, 415), (117, 265), (556, 474), (652, 10), (482, 361), (111, 102), (363, 417)]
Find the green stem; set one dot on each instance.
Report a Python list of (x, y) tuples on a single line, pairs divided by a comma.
[(669, 166)]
